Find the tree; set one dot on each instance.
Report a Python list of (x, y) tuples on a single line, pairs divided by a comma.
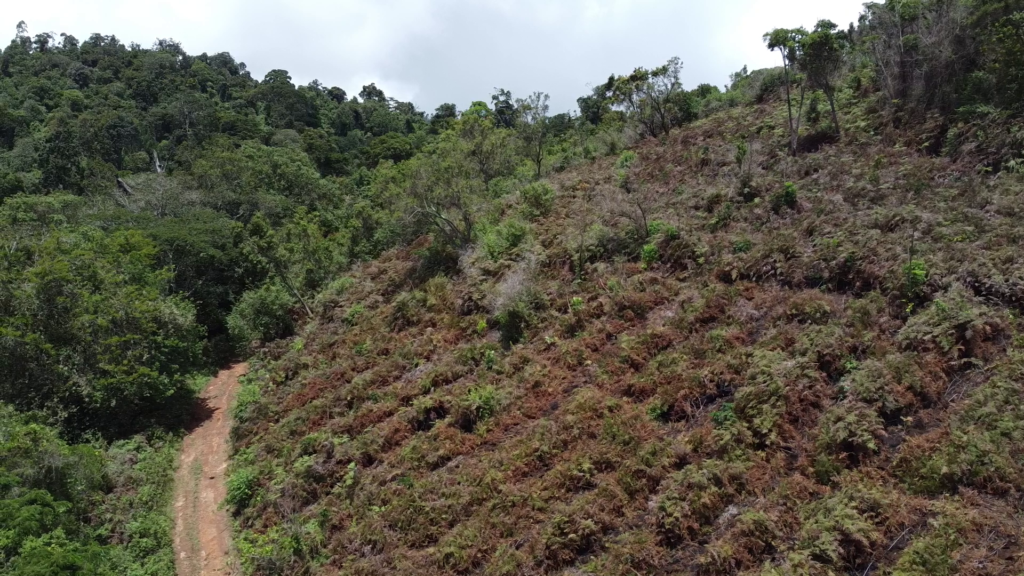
[(532, 114), (1006, 60), (373, 94), (653, 97), (923, 49), (594, 107), (504, 108), (443, 117), (261, 243), (284, 106), (490, 150), (787, 42), (446, 192), (822, 56)]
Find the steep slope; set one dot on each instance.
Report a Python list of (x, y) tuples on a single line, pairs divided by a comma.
[(811, 366)]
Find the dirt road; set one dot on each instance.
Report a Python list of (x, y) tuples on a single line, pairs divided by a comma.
[(202, 530)]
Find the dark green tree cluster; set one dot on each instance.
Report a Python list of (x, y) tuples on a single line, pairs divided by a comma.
[(62, 506)]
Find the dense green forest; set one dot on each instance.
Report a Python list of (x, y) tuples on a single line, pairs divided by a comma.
[(771, 329)]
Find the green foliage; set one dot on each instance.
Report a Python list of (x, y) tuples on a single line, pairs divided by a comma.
[(501, 241), (822, 59), (262, 315), (478, 405), (576, 304), (83, 509), (955, 324), (982, 450), (655, 98), (537, 199), (933, 552), (242, 486), (850, 429), (838, 529), (626, 160), (649, 255), (785, 198), (916, 274), (88, 334)]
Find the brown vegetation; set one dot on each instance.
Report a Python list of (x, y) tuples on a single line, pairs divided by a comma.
[(818, 372)]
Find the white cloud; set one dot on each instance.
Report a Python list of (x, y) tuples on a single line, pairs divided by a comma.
[(433, 51)]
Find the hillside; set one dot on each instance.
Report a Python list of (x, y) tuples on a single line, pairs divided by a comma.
[(768, 329), (819, 375)]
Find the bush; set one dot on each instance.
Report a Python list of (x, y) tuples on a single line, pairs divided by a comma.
[(956, 324), (785, 198), (648, 255), (626, 160), (850, 429), (262, 315), (538, 199), (479, 404), (241, 488), (502, 240)]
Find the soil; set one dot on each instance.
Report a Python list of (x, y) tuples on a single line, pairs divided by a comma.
[(202, 530)]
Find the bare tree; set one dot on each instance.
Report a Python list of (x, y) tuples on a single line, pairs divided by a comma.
[(918, 49)]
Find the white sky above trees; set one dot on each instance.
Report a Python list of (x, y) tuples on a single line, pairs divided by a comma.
[(435, 51)]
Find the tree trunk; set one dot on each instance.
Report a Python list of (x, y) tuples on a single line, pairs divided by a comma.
[(835, 117), (799, 115), (789, 107)]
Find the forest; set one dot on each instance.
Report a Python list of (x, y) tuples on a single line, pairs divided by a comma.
[(768, 329)]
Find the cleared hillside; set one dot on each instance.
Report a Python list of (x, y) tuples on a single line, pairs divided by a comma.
[(811, 366)]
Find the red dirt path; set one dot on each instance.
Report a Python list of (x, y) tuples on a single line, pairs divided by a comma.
[(202, 529)]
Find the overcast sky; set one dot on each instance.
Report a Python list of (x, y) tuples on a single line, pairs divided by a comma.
[(435, 51)]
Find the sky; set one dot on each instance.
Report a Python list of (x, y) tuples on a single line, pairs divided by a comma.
[(435, 51)]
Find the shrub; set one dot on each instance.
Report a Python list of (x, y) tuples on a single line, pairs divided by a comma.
[(742, 246), (849, 429), (514, 301), (262, 315), (241, 488), (479, 404), (785, 198), (566, 538), (648, 255), (657, 227), (696, 497), (502, 240), (841, 529), (915, 275), (626, 160), (538, 199), (983, 447), (956, 324), (331, 296), (932, 553)]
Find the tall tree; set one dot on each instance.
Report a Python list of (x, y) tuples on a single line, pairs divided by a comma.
[(787, 42), (533, 127), (652, 96), (823, 54), (504, 108)]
